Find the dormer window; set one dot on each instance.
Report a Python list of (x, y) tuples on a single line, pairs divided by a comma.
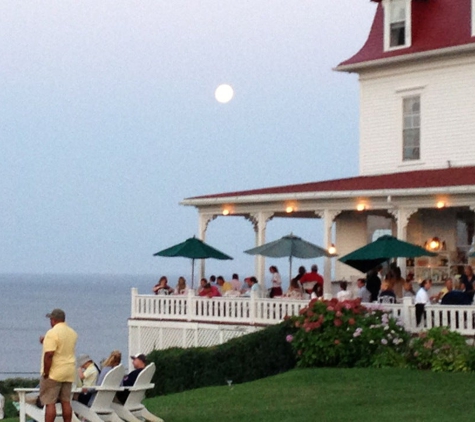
[(397, 24)]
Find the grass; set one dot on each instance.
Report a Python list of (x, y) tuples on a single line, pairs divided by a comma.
[(327, 395)]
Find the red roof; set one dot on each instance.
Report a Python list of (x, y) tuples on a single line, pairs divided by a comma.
[(447, 177), (436, 24)]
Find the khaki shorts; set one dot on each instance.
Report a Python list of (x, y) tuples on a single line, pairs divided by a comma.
[(51, 391)]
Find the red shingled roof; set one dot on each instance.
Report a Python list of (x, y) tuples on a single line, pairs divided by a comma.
[(447, 177), (436, 24)]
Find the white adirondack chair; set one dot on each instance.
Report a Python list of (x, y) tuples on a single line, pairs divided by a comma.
[(133, 409), (35, 412), (101, 409)]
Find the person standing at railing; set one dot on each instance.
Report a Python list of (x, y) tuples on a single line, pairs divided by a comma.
[(373, 282), (468, 278), (276, 289), (422, 299)]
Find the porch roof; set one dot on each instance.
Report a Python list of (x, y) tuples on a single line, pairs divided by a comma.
[(448, 179)]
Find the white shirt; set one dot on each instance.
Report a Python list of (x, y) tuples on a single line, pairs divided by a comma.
[(276, 280), (422, 296), (343, 295)]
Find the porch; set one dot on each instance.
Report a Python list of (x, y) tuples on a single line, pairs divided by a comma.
[(161, 322)]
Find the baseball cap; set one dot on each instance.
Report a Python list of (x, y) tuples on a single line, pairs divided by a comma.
[(139, 356), (57, 314)]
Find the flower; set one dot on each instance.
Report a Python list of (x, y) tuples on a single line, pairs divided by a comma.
[(384, 341), (337, 322), (351, 321), (289, 338), (337, 341)]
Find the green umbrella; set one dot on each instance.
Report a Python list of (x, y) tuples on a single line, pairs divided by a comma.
[(195, 249), (471, 254), (382, 249), (289, 246)]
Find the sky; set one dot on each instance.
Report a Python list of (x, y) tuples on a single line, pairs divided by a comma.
[(108, 120)]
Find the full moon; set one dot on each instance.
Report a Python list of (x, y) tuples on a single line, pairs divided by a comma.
[(224, 93)]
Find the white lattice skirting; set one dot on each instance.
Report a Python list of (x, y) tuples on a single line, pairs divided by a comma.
[(145, 336)]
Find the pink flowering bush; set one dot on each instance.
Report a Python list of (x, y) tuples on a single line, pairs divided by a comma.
[(332, 333), (440, 349)]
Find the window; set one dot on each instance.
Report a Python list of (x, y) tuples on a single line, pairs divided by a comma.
[(397, 24), (411, 128)]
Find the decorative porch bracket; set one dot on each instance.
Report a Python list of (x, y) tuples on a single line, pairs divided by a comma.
[(204, 220)]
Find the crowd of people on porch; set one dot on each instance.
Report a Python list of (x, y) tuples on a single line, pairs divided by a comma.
[(304, 285), (376, 287)]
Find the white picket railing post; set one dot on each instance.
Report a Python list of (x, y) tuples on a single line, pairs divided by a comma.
[(133, 296), (406, 312), (190, 312)]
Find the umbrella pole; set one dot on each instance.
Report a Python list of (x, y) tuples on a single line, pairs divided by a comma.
[(192, 272), (290, 269)]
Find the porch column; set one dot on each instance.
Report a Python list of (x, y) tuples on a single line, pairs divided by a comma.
[(259, 221), (204, 220), (402, 216), (328, 218)]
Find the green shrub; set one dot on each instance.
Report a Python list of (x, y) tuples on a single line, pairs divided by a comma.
[(441, 350), (247, 358), (7, 388), (346, 334)]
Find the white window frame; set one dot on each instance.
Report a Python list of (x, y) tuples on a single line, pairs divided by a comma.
[(407, 25), (404, 128)]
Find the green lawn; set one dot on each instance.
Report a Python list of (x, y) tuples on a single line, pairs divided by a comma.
[(327, 394)]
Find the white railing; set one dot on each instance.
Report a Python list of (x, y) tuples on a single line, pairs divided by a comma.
[(264, 311), (236, 310)]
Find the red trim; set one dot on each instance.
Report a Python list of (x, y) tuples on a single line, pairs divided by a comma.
[(447, 177), (436, 24)]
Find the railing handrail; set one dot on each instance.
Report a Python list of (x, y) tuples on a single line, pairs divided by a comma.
[(265, 311)]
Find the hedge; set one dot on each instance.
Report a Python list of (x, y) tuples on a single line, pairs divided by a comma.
[(247, 358)]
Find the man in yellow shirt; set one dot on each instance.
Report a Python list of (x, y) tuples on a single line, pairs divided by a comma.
[(58, 366), (223, 286)]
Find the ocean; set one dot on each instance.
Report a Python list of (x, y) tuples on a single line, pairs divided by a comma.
[(96, 306)]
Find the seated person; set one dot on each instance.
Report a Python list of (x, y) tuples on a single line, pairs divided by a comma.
[(88, 373), (253, 285), (139, 362), (448, 287), (295, 291), (111, 362), (209, 290), (223, 286), (317, 291), (408, 290), (343, 294), (236, 283), (308, 280), (181, 288), (363, 293), (162, 287), (386, 291)]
